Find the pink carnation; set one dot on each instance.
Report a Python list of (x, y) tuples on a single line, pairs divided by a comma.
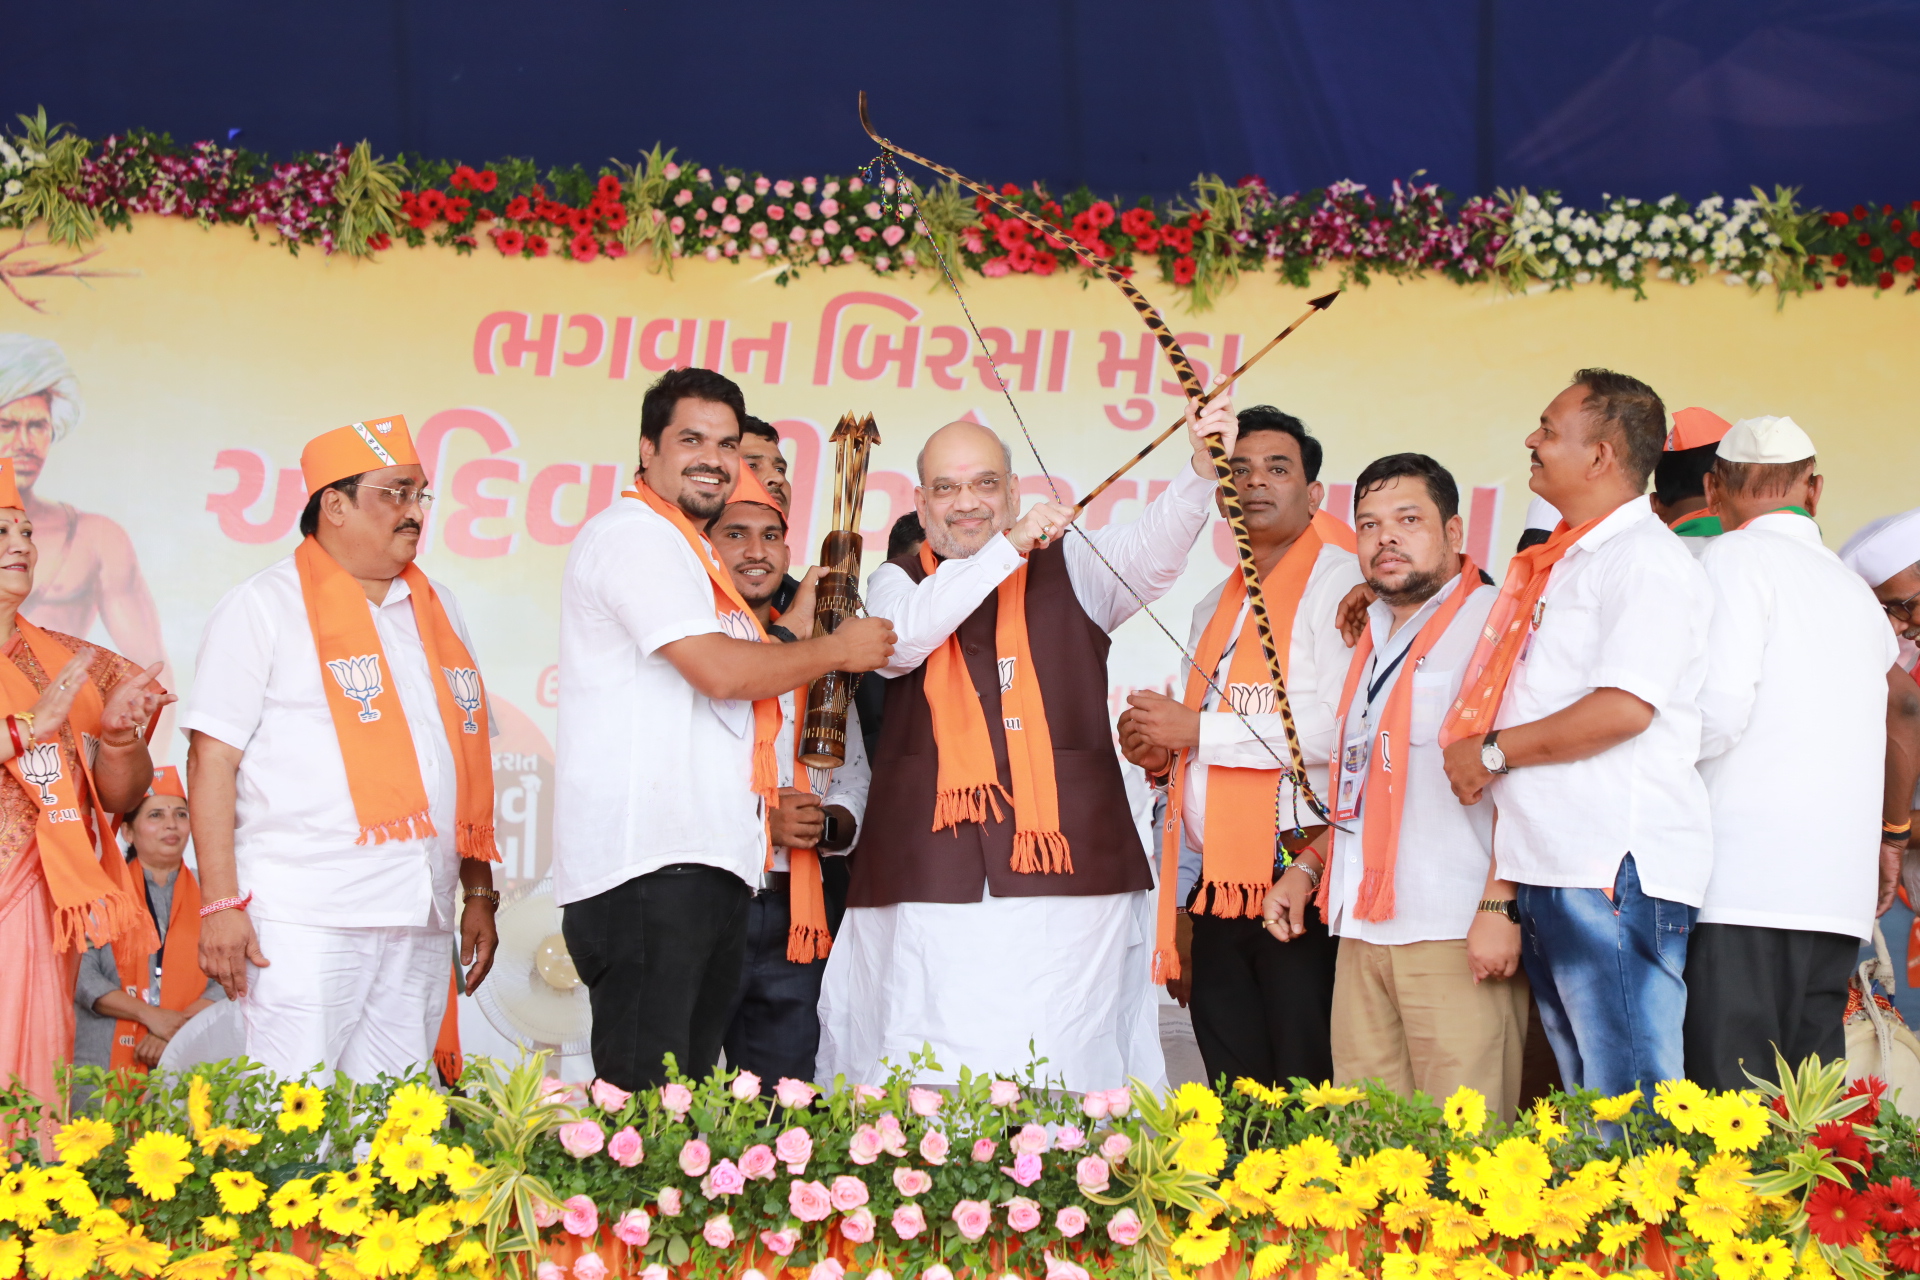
[(848, 1193), (934, 1147), (1003, 1093), (864, 1147), (582, 1138), (1124, 1227), (633, 1227), (1030, 1141), (718, 1232), (746, 1084), (727, 1180), (1069, 1138), (1022, 1214), (795, 1148), (1026, 1169), (973, 1217), (695, 1156), (625, 1147), (809, 1201), (757, 1161), (794, 1094), (609, 1097), (827, 1269), (1064, 1269), (983, 1150), (781, 1242), (676, 1098), (858, 1225), (589, 1267), (925, 1102), (669, 1202), (1092, 1174), (909, 1221), (1070, 1221), (912, 1182), (544, 1214), (1116, 1147), (581, 1218)]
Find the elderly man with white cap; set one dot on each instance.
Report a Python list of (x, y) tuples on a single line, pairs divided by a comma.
[(1795, 722)]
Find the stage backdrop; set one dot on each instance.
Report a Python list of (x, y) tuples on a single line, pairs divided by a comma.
[(204, 368)]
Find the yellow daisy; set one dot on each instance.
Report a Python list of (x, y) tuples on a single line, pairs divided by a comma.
[(1312, 1157), (67, 1187), (1338, 1268), (1260, 1170), (411, 1161), (1405, 1265), (1712, 1220), (387, 1247), (214, 1264), (1201, 1246), (359, 1178), (1296, 1204), (1615, 1236), (1733, 1259), (1201, 1149), (227, 1137), (1327, 1094), (10, 1254), (105, 1225), (294, 1204), (1512, 1210), (81, 1139), (1546, 1121), (1723, 1178), (462, 1170), (1468, 1175), (1198, 1102), (157, 1161), (1403, 1171), (1736, 1122), (1407, 1214), (434, 1223), (1682, 1103), (472, 1256), (301, 1107), (1651, 1182), (1477, 1268), (1773, 1258), (1270, 1260), (338, 1263), (1522, 1161), (215, 1227), (418, 1108), (56, 1255), (1613, 1110), (199, 1105), (282, 1266), (346, 1213), (1453, 1227), (239, 1191), (1340, 1211), (1575, 1270), (1465, 1112), (133, 1252)]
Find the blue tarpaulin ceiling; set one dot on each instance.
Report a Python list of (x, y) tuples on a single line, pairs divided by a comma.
[(1133, 96)]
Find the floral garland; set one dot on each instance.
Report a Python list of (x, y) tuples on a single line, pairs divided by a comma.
[(348, 201), (229, 1172)]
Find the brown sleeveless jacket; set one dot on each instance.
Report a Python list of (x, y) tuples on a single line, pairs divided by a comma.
[(901, 858)]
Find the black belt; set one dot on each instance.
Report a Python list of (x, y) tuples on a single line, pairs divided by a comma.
[(776, 885)]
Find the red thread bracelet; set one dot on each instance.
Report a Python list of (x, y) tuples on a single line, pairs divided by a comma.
[(13, 731), (225, 904)]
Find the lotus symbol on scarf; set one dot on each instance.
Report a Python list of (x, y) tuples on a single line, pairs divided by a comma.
[(1006, 673), (359, 678), (41, 767), (465, 685), (1253, 699)]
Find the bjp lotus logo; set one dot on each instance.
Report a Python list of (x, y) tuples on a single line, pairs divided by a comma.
[(464, 682), (41, 767), (359, 679)]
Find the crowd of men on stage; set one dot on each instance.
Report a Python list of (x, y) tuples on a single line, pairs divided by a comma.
[(1657, 784)]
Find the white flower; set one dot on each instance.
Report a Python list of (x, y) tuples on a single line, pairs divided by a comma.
[(1763, 277), (1593, 258), (1582, 277), (13, 186), (1734, 277), (1665, 273), (1562, 243), (1625, 266)]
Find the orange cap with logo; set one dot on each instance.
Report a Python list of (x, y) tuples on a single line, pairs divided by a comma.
[(352, 450), (1695, 428), (9, 491), (749, 489), (167, 782)]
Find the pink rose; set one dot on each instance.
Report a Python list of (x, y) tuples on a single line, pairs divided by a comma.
[(549, 1271), (781, 1242), (1070, 1221), (827, 1269), (864, 1148), (678, 224), (795, 1148), (925, 1102), (653, 1272), (718, 1232), (1116, 1147), (676, 1098), (669, 1202), (934, 1147), (1119, 1101), (719, 204), (803, 211), (1069, 1138), (553, 1088), (873, 209), (909, 1221), (937, 1271), (794, 1094), (809, 1201), (727, 1179), (694, 1158), (582, 1138), (973, 1217), (894, 233), (544, 1214), (983, 1150), (1030, 1141), (1092, 1174), (608, 1097), (893, 1139), (848, 1193), (1063, 1269), (858, 1225), (757, 1161), (581, 1218), (683, 197), (1026, 1170), (633, 1227), (776, 212), (783, 189), (1022, 1214), (589, 1267), (829, 207), (1124, 1227), (731, 224), (1004, 1093), (746, 1084), (1094, 1105), (625, 1147), (912, 1182), (743, 204), (758, 231)]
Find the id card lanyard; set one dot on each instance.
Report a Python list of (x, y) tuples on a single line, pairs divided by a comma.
[(1357, 751)]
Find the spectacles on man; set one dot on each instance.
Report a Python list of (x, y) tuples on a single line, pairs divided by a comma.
[(402, 498), (987, 486), (1901, 610)]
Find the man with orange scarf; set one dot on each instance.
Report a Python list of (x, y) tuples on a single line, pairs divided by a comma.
[(341, 779), (1260, 1005), (998, 909), (669, 715), (1579, 718)]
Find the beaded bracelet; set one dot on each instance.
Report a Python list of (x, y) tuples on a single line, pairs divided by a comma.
[(225, 904)]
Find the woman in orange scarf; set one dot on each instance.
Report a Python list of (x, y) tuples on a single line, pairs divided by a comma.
[(63, 882)]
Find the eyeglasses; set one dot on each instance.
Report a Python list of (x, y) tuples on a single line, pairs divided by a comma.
[(401, 497), (987, 486), (1902, 610)]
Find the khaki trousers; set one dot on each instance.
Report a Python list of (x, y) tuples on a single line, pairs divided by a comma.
[(1412, 1017)]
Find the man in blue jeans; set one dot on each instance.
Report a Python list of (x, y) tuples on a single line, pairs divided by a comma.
[(1588, 678)]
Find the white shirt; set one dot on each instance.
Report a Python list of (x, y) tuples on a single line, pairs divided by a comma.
[(649, 771), (1626, 608), (258, 688), (846, 786), (1317, 662), (1440, 868), (1150, 552), (1793, 739)]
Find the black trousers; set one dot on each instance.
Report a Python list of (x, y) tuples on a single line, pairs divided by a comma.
[(1263, 1008), (1750, 989), (774, 1029), (661, 957)]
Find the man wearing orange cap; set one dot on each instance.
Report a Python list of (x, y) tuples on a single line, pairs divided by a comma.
[(1679, 478), (342, 785)]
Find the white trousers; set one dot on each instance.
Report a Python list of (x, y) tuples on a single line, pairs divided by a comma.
[(361, 1002)]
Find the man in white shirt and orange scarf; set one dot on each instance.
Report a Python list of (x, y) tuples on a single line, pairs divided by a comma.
[(1260, 1006), (1579, 717), (669, 719), (341, 779)]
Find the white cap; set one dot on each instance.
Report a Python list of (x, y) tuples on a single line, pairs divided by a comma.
[(1542, 514), (1883, 549), (1767, 440)]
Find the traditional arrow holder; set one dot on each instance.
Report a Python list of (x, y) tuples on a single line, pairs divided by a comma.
[(823, 727)]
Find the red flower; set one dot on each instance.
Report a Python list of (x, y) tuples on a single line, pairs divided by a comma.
[(1010, 232), (1913, 238), (1054, 212), (1903, 264), (1838, 1215), (457, 209), (1183, 269), (580, 220), (485, 180), (1886, 279), (1839, 282), (1871, 1088), (1008, 189), (380, 240), (432, 202), (519, 209), (1178, 239), (1147, 241), (584, 248), (1840, 1137), (538, 244), (1044, 263), (483, 215), (1102, 214), (1876, 254), (1860, 213), (1137, 222), (1904, 1252), (1198, 219), (616, 217), (1020, 256), (1839, 259), (1863, 238), (419, 219), (462, 179), (1836, 219), (1896, 225), (509, 242), (608, 188), (1886, 208), (614, 249), (1896, 1204), (981, 204)]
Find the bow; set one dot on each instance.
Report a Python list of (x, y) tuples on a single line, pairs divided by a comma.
[(1190, 383)]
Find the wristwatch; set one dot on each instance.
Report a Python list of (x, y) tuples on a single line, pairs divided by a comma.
[(1492, 758), (832, 837), (1503, 907)]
